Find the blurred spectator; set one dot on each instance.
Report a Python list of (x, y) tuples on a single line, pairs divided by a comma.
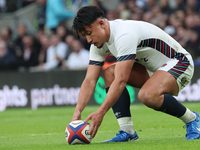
[(193, 45), (180, 15), (190, 11), (122, 6), (21, 32), (165, 7), (79, 58), (180, 4), (170, 30), (159, 18), (175, 21), (194, 4), (74, 5), (69, 40), (149, 5), (98, 4), (19, 43), (1, 39), (191, 23), (56, 13), (125, 14), (197, 19), (84, 42), (2, 5), (182, 36), (62, 31), (140, 3), (23, 3), (131, 5), (39, 34), (147, 16), (56, 53), (137, 14), (112, 15), (7, 59), (45, 43), (40, 14), (29, 56), (7, 35), (179, 18)]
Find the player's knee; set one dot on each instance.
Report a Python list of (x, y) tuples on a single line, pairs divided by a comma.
[(146, 97)]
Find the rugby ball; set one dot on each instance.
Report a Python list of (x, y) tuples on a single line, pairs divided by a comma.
[(77, 133)]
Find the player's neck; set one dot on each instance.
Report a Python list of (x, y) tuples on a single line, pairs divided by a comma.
[(107, 30)]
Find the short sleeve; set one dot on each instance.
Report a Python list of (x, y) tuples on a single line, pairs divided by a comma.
[(126, 46), (97, 56)]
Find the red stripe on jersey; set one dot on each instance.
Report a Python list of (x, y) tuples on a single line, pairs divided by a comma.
[(153, 43), (163, 45)]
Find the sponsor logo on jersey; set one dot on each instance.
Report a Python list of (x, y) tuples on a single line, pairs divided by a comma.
[(108, 52), (183, 80)]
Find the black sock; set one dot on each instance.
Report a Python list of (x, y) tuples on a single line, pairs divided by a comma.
[(122, 107), (172, 107)]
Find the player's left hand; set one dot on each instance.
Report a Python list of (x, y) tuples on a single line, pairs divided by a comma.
[(96, 119)]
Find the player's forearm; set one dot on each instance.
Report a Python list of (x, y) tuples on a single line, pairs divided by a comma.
[(113, 94), (122, 72), (85, 94)]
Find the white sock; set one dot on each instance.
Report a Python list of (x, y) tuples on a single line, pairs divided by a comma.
[(188, 116), (126, 124)]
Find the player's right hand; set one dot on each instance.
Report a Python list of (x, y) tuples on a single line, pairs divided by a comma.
[(76, 116)]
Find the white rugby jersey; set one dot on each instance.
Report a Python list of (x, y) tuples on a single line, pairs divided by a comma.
[(142, 41)]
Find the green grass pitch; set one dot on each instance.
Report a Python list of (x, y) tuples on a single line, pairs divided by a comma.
[(43, 129)]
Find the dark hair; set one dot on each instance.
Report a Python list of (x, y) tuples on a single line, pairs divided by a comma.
[(85, 17), (9, 31)]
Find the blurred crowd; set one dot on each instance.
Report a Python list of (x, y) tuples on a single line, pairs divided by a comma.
[(59, 48)]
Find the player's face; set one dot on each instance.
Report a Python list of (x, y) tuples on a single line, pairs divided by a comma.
[(96, 34)]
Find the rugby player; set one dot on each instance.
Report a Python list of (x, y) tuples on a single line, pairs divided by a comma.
[(147, 58)]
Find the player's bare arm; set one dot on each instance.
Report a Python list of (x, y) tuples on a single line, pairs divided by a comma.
[(87, 89), (122, 72)]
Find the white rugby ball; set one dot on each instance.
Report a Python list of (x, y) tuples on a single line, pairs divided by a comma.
[(77, 133)]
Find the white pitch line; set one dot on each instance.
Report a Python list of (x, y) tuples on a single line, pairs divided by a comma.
[(46, 134), (32, 134), (49, 134)]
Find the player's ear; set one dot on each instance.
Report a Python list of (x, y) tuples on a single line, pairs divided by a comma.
[(101, 23)]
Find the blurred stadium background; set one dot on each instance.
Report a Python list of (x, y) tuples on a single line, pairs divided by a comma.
[(43, 64)]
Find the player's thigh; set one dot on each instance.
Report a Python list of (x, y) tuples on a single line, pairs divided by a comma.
[(151, 93), (160, 82), (170, 78), (108, 75), (138, 75)]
